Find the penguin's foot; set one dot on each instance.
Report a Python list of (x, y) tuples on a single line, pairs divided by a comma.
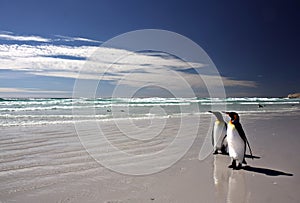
[(215, 152), (244, 161), (233, 164), (238, 167), (223, 150)]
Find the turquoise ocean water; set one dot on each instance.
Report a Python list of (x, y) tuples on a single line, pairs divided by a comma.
[(38, 111)]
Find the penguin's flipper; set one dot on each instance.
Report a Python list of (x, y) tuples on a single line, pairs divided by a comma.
[(223, 141), (224, 145), (243, 136)]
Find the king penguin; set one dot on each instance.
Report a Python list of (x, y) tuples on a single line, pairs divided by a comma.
[(219, 140), (237, 141)]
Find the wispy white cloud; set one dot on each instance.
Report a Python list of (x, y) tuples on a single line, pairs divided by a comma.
[(117, 66), (6, 32), (10, 36), (11, 89), (30, 90), (15, 51), (6, 35), (43, 58), (232, 82), (71, 39)]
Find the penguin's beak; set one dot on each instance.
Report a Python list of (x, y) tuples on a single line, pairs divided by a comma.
[(225, 112)]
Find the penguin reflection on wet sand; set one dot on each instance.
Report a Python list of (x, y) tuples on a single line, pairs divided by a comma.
[(237, 141), (219, 141)]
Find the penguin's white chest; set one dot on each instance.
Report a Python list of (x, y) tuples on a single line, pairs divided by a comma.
[(236, 145)]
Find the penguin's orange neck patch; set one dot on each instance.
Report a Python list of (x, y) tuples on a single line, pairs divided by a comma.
[(230, 123)]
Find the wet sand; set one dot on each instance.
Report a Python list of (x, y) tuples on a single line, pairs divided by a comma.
[(48, 164)]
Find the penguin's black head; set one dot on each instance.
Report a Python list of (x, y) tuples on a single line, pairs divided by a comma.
[(234, 117), (217, 114)]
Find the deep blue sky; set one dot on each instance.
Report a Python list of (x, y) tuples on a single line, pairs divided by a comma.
[(247, 40)]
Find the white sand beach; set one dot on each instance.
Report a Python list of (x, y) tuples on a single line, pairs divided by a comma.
[(47, 163)]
